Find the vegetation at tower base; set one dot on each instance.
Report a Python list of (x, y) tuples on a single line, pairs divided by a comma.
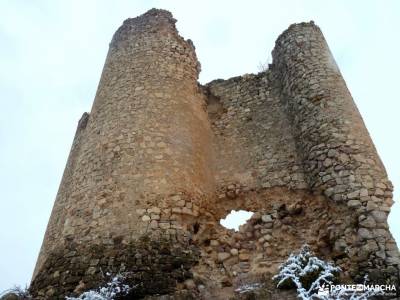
[(161, 159), (309, 275), (312, 278), (305, 272)]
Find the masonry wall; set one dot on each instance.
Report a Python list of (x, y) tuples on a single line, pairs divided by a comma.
[(253, 141), (145, 149), (161, 159), (339, 157), (55, 225)]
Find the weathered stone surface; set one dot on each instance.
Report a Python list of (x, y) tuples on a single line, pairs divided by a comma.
[(244, 256), (145, 218), (154, 266), (354, 203), (364, 234), (234, 252), (340, 246), (379, 216), (223, 256), (368, 222), (267, 218), (161, 159)]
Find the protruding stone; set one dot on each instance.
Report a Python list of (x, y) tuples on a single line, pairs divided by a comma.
[(189, 284), (340, 246), (155, 210), (369, 222), (364, 234), (234, 251), (267, 218), (153, 224), (244, 256), (176, 198), (164, 225), (353, 203), (379, 216), (223, 256), (155, 217), (140, 211), (214, 243), (353, 195), (363, 192), (332, 153), (267, 237), (180, 203), (371, 205), (145, 218)]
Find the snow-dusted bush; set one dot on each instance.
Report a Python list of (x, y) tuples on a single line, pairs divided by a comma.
[(115, 287), (312, 277), (305, 272), (16, 292)]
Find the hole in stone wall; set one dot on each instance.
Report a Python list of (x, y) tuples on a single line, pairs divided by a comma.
[(196, 227), (236, 218)]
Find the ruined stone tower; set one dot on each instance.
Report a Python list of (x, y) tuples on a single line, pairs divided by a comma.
[(161, 159)]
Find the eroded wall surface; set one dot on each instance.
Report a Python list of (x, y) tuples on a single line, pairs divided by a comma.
[(339, 157), (144, 149), (161, 159), (253, 141)]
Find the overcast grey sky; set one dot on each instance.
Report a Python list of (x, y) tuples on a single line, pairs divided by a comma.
[(52, 53)]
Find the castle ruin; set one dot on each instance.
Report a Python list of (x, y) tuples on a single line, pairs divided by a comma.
[(161, 159)]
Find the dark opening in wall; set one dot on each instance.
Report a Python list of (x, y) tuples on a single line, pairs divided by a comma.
[(196, 227)]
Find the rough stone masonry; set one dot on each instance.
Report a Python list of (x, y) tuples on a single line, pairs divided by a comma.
[(161, 159)]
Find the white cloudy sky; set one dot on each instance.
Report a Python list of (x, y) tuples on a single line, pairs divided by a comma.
[(52, 53)]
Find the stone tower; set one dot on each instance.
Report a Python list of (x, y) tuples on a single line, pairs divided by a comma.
[(161, 159)]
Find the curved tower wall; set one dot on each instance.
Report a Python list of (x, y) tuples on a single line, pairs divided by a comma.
[(338, 155), (144, 149), (56, 222)]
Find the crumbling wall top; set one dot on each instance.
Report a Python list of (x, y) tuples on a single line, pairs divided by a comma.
[(152, 21), (296, 27)]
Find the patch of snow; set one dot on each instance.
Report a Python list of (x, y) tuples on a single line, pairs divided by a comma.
[(248, 287), (114, 288)]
